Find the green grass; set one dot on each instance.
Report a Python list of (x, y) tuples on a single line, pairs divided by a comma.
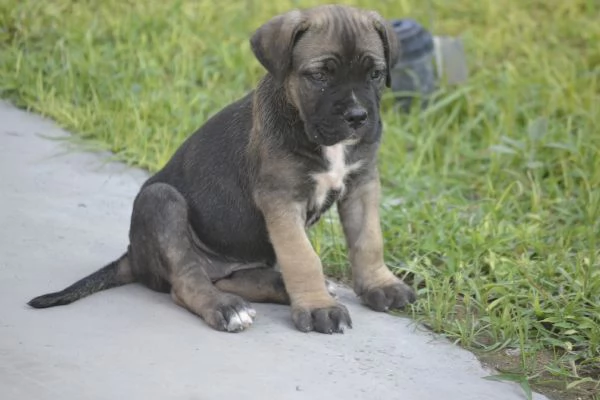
[(492, 195)]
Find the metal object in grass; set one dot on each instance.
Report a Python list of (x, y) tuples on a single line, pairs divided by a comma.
[(413, 76), (424, 61)]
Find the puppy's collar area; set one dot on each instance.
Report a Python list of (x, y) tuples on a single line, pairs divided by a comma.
[(331, 181)]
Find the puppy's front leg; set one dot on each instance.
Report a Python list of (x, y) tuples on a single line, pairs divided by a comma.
[(378, 287), (313, 308)]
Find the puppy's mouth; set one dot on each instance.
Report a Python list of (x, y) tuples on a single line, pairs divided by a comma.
[(348, 137)]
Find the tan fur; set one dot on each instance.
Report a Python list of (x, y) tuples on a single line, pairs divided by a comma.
[(299, 263), (261, 285), (359, 214), (193, 292)]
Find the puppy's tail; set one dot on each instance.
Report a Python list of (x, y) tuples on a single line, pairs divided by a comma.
[(115, 274)]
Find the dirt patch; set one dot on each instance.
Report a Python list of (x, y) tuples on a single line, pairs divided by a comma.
[(555, 388)]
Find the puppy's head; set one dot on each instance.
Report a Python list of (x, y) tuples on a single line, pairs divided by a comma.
[(334, 62)]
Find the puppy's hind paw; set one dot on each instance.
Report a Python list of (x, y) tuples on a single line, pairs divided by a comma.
[(232, 314)]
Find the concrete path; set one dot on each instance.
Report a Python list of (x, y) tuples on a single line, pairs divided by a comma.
[(63, 215)]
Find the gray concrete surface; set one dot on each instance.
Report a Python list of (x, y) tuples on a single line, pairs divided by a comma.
[(64, 214)]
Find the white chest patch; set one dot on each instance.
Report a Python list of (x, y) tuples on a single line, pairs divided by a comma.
[(334, 177)]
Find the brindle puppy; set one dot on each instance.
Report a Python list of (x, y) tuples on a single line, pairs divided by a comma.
[(237, 196)]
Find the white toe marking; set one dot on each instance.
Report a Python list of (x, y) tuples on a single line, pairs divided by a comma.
[(331, 288), (241, 320), (235, 323), (245, 318)]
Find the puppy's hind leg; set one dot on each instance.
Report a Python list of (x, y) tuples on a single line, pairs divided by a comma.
[(258, 285), (261, 285), (164, 257)]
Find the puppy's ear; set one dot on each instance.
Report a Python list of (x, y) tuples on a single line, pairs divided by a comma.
[(391, 45), (272, 43)]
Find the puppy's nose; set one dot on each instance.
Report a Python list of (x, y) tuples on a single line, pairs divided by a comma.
[(356, 117)]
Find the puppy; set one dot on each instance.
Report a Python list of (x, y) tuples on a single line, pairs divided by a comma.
[(224, 222)]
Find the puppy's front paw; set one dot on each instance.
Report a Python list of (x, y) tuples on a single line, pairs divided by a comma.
[(332, 319), (395, 296)]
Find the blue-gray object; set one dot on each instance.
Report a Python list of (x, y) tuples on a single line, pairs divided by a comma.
[(414, 75)]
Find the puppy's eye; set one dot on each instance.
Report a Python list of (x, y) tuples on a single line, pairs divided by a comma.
[(318, 76), (376, 74)]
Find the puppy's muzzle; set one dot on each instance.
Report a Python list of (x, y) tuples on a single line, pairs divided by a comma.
[(356, 117)]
